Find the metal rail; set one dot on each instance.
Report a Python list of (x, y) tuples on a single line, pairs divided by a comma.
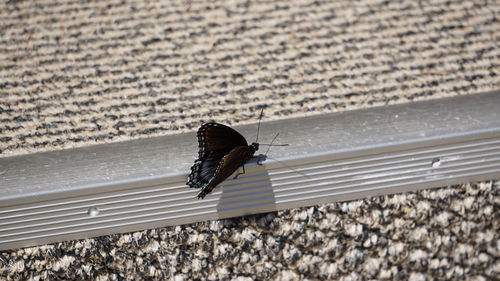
[(128, 186)]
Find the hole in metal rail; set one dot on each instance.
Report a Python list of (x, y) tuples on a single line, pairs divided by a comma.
[(93, 212), (436, 162)]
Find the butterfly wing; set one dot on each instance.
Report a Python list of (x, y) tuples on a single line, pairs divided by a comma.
[(215, 136), (227, 166), (204, 167), (215, 141)]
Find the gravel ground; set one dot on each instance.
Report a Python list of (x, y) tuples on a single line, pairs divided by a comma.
[(450, 233)]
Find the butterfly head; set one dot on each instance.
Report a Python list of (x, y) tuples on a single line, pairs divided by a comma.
[(255, 146)]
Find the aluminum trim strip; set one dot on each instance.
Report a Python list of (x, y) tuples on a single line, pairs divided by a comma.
[(380, 151)]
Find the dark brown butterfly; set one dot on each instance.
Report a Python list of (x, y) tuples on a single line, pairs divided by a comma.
[(222, 151)]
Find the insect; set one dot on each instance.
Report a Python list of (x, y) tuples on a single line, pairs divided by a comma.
[(222, 151)]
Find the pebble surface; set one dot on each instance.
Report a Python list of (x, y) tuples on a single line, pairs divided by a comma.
[(447, 233)]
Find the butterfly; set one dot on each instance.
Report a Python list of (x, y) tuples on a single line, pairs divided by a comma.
[(222, 150)]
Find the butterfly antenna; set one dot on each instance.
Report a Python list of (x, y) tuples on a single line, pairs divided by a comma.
[(281, 162), (258, 126), (271, 144)]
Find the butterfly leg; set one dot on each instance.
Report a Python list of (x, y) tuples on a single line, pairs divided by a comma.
[(237, 175), (260, 159)]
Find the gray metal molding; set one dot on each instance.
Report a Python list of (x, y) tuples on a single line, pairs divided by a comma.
[(122, 187)]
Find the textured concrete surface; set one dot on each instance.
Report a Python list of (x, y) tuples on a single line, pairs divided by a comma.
[(77, 73)]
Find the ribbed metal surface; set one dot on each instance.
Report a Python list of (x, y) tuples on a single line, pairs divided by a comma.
[(314, 178), (265, 188)]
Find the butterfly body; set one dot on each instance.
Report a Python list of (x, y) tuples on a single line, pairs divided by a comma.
[(222, 150)]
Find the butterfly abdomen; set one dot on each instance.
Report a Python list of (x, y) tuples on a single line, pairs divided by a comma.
[(232, 161)]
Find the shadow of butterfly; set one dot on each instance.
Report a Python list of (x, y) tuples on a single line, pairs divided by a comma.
[(222, 151)]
